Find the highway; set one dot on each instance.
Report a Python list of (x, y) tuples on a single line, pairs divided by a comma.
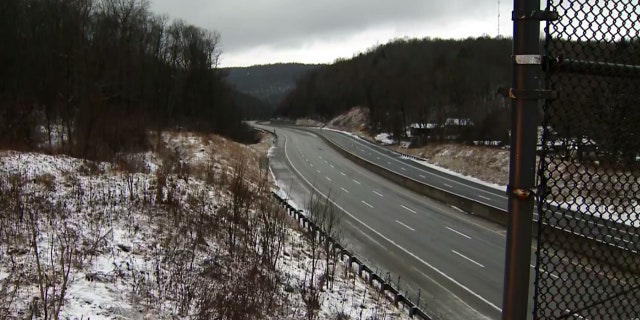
[(386, 158), (454, 259), (623, 236)]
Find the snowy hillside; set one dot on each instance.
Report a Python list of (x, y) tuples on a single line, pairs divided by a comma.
[(188, 231)]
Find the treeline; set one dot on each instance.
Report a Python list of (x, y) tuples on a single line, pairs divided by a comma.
[(597, 109), (95, 75), (269, 83), (414, 81)]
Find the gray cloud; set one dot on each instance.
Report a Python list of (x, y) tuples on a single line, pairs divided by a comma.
[(290, 24)]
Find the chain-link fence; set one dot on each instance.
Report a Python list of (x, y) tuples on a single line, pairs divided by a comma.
[(588, 255)]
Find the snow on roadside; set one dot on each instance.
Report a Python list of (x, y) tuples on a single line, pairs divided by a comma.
[(123, 225), (434, 166), (456, 174), (384, 139)]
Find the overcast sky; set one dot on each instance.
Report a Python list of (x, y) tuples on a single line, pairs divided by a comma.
[(320, 31)]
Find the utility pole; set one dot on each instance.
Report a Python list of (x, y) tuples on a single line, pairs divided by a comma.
[(525, 94)]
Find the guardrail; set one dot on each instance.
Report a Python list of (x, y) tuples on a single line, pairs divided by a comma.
[(353, 263), (579, 243), (468, 205)]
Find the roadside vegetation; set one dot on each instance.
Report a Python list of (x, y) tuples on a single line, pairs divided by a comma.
[(188, 230), (89, 78), (414, 81)]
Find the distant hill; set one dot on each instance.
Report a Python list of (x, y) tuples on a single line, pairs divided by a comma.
[(269, 83), (252, 107), (408, 81)]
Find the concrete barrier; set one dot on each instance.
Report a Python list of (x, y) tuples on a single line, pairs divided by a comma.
[(465, 204), (605, 252)]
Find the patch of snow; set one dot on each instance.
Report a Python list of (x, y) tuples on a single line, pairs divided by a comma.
[(453, 173), (114, 212), (271, 152), (606, 212), (439, 168), (384, 139)]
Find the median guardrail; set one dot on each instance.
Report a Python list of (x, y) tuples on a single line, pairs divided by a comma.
[(589, 246), (468, 205)]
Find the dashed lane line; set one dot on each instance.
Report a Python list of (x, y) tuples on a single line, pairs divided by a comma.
[(468, 259), (406, 226), (408, 209), (392, 242), (368, 205), (458, 232)]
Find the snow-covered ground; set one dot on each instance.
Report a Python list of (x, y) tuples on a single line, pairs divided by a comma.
[(384, 139), (186, 232)]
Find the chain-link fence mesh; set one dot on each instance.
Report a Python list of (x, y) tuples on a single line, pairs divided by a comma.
[(588, 256)]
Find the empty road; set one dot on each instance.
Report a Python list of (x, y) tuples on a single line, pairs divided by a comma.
[(454, 259)]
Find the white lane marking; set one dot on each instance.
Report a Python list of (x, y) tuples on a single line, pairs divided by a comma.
[(467, 258), (547, 272), (439, 285), (332, 167), (458, 232), (406, 226), (368, 205), (423, 176), (378, 193), (345, 190), (575, 314), (342, 173), (311, 164), (320, 157), (326, 162), (378, 158), (401, 248), (619, 239), (483, 197), (440, 176), (448, 185), (356, 181), (366, 235), (328, 178), (371, 239), (403, 169), (408, 209), (318, 170)]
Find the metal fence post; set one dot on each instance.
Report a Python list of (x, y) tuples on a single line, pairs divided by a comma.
[(525, 93)]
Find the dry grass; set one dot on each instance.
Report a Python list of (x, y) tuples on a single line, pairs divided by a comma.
[(189, 231), (212, 233), (484, 163)]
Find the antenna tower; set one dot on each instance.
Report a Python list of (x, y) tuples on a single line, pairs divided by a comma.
[(498, 18)]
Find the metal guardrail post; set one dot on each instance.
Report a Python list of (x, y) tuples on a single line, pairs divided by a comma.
[(525, 93)]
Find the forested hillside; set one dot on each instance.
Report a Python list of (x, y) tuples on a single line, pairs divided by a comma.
[(408, 81), (269, 83), (95, 75)]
